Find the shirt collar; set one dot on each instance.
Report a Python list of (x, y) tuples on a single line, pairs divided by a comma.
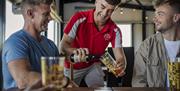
[(91, 16)]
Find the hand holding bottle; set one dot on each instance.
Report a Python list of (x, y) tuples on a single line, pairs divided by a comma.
[(79, 55)]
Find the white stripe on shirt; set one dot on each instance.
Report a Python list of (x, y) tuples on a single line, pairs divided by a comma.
[(73, 30), (117, 39)]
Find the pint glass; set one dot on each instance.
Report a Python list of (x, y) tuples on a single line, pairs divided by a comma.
[(174, 74), (52, 71), (110, 63)]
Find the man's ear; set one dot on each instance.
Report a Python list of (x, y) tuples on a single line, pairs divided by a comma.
[(30, 13), (176, 18)]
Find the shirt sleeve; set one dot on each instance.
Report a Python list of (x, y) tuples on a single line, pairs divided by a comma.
[(72, 26), (139, 78), (117, 39), (15, 48)]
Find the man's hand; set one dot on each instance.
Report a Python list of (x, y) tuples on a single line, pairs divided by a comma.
[(120, 61), (80, 55), (37, 86), (120, 69)]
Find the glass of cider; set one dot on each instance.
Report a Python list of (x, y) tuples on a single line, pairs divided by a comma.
[(173, 66), (52, 69), (110, 63)]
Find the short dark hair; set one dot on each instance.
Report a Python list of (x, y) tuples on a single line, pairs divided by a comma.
[(113, 2), (175, 4), (35, 2)]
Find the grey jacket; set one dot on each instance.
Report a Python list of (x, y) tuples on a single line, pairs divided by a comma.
[(149, 65)]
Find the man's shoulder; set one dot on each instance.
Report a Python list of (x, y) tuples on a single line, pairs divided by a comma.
[(112, 24), (154, 38), (113, 27), (151, 41), (84, 13), (18, 34), (16, 38)]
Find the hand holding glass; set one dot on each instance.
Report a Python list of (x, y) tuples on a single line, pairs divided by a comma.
[(110, 63)]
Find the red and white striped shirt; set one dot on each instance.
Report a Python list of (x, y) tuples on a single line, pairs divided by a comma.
[(83, 30)]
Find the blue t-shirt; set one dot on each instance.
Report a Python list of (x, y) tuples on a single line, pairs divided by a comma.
[(23, 45)]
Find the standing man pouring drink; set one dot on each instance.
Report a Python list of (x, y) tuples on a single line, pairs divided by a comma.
[(90, 32)]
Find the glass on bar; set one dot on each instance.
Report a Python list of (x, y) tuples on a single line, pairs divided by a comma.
[(174, 74), (52, 71), (110, 63)]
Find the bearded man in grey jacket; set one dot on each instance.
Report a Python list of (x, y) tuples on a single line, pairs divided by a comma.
[(150, 68)]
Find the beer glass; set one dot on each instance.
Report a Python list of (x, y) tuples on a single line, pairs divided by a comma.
[(52, 71), (174, 73), (110, 63)]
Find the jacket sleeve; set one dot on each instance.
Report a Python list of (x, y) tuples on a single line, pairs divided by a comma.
[(139, 72)]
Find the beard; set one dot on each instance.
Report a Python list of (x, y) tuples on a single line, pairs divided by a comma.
[(163, 29), (44, 28), (159, 29)]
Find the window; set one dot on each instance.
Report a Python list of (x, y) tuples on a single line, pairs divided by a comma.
[(14, 22), (50, 32), (126, 30)]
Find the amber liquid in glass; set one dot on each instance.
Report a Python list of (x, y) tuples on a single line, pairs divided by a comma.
[(107, 60), (52, 72), (174, 75)]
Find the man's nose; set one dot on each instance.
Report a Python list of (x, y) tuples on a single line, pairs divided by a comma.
[(154, 19), (105, 13)]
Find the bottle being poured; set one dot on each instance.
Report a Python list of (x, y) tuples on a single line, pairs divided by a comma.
[(75, 58), (82, 55)]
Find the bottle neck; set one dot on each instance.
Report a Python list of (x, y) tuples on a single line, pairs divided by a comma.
[(89, 57)]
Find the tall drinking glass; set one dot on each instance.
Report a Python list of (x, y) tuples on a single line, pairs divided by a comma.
[(174, 73), (110, 63), (52, 71)]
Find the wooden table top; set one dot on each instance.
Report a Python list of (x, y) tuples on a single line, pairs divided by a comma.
[(108, 89), (139, 89), (115, 89)]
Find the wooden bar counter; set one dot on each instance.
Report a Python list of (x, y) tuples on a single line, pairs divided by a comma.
[(107, 89)]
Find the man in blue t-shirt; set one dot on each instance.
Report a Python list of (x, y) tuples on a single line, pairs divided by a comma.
[(22, 50)]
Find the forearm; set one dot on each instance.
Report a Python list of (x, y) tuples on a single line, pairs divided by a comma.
[(66, 49), (65, 45), (27, 79), (121, 59), (139, 78), (33, 77), (22, 73), (120, 56)]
